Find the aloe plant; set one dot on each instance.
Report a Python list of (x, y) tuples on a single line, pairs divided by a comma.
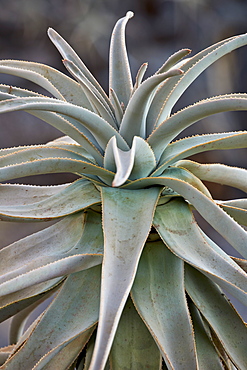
[(135, 282)]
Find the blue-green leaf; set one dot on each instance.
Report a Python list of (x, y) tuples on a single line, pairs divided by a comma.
[(127, 219), (133, 337), (119, 70), (221, 316), (158, 293)]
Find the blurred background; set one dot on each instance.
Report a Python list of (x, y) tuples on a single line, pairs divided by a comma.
[(159, 28)]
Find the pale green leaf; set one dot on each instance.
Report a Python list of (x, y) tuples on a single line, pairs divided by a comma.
[(208, 358), (13, 303), (221, 316), (173, 60), (218, 173), (241, 262), (57, 252), (25, 154), (127, 219), (69, 199), (118, 109), (100, 106), (57, 83), (56, 165), (72, 312), (64, 123), (139, 76), (158, 293), (171, 127), (235, 210), (119, 70), (208, 208), (19, 321), (17, 194), (198, 144), (194, 67), (68, 53), (177, 227), (63, 355), (133, 346), (101, 129), (134, 119)]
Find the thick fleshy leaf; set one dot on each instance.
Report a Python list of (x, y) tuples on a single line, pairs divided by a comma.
[(127, 219), (13, 303), (57, 83), (100, 106), (158, 294), (207, 207), (171, 127), (172, 61), (70, 199), (19, 321), (39, 152), (63, 355), (72, 312), (17, 194), (101, 129), (193, 67), (132, 337), (207, 355), (68, 53), (198, 144), (177, 227), (236, 209), (137, 162), (134, 118), (217, 172), (49, 270), (119, 70), (57, 252), (56, 165), (226, 323)]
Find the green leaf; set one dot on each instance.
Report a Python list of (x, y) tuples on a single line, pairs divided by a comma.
[(70, 199), (56, 165), (218, 173), (119, 70), (158, 294), (57, 83), (178, 229), (64, 354), (198, 144), (133, 346), (236, 209), (101, 129), (17, 194), (134, 118), (139, 161), (221, 316), (210, 211), (57, 252), (207, 355), (100, 106), (173, 60), (194, 67), (175, 124), (72, 312), (127, 219), (13, 303), (68, 53)]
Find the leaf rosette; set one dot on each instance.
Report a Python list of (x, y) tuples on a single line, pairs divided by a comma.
[(126, 257)]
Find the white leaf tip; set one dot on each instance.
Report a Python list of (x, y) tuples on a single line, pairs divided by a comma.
[(129, 14)]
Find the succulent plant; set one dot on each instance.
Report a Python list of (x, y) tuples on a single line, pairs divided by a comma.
[(135, 282)]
